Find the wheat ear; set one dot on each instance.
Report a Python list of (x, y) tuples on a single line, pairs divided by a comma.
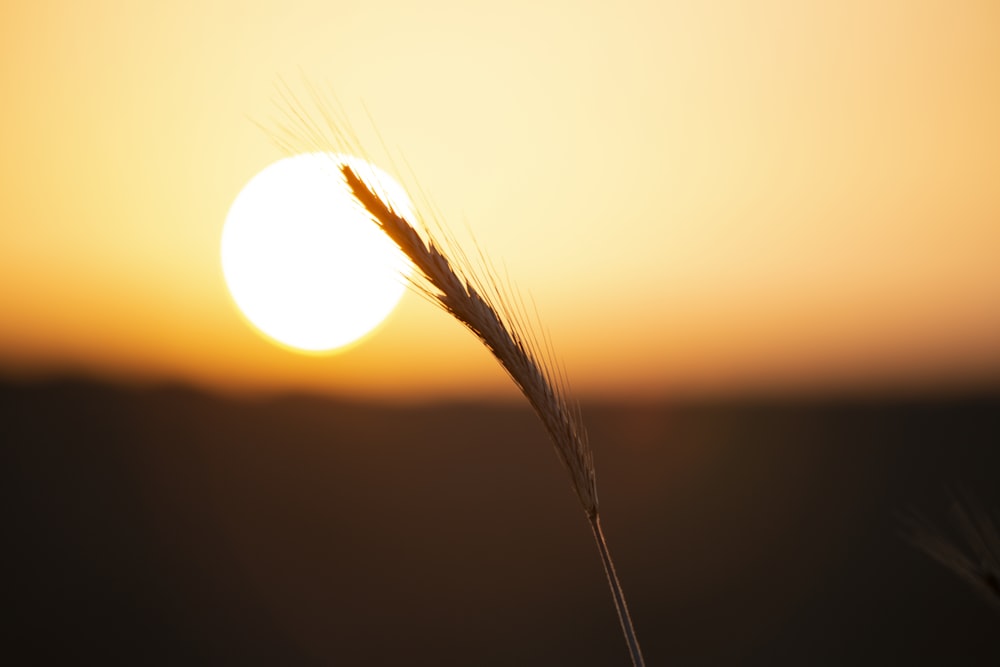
[(459, 295), (482, 306)]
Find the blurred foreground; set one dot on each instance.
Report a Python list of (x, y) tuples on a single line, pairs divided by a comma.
[(165, 527)]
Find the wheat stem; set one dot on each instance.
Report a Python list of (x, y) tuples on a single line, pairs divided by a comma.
[(617, 593)]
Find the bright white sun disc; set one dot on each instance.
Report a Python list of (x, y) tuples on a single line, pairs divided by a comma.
[(303, 261)]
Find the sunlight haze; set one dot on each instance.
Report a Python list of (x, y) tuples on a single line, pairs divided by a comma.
[(713, 197)]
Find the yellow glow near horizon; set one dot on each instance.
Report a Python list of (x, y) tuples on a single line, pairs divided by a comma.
[(699, 197), (303, 261)]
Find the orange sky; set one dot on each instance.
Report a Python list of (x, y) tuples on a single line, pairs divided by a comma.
[(699, 196)]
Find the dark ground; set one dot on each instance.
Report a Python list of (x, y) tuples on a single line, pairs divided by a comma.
[(166, 527)]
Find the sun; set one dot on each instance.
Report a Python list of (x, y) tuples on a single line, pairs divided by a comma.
[(304, 262)]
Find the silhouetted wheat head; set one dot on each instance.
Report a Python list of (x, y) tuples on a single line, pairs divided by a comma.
[(476, 297), (480, 312)]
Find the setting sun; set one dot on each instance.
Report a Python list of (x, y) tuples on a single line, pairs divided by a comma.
[(304, 263)]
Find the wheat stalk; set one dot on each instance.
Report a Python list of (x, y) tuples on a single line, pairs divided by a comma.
[(478, 300)]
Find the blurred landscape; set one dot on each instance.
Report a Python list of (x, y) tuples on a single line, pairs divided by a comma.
[(165, 526)]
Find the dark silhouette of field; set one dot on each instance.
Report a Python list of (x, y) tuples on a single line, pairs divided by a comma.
[(166, 526)]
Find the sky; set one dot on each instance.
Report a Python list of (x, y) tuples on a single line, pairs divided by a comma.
[(698, 197)]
